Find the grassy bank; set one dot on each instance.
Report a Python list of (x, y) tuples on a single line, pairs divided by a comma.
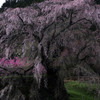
[(82, 91)]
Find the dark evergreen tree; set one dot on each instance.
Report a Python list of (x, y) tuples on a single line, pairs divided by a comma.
[(19, 3), (97, 1)]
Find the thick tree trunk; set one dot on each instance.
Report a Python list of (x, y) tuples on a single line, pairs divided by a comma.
[(56, 86)]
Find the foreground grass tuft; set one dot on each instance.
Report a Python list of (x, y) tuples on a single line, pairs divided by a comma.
[(82, 91)]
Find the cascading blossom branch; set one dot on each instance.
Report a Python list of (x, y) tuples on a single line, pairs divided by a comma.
[(16, 62), (39, 71)]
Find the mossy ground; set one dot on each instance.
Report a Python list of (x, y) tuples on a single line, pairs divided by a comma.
[(82, 91)]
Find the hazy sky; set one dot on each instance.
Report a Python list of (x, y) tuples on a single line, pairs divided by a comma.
[(1, 2)]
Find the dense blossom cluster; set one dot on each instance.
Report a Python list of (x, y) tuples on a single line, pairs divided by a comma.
[(16, 62)]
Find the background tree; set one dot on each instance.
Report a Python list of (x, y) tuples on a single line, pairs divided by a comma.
[(97, 1), (19, 3)]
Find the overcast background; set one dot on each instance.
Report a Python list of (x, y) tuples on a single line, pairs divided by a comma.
[(1, 2)]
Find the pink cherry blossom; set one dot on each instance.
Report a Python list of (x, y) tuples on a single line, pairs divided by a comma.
[(16, 62)]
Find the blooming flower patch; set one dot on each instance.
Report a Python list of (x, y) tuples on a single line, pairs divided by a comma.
[(16, 62)]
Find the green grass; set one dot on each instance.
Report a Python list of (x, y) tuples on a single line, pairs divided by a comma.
[(81, 91)]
